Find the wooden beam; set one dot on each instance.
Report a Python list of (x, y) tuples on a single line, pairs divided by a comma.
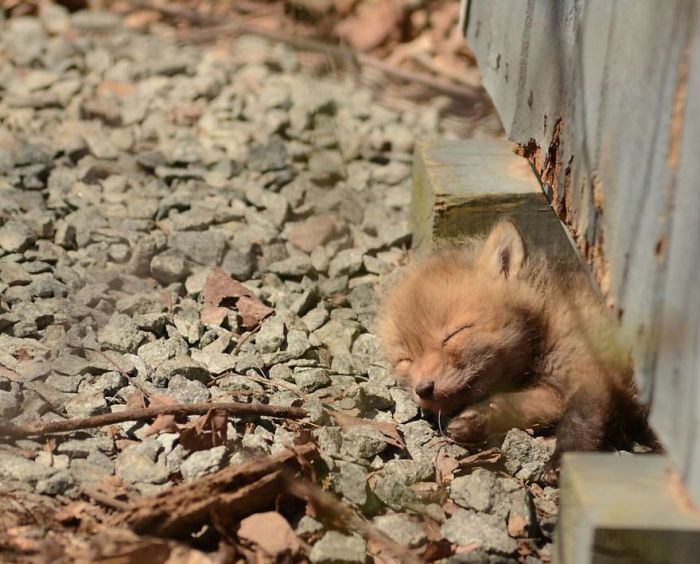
[(461, 188), (624, 509)]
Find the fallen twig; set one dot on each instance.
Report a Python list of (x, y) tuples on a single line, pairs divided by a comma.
[(105, 500), (145, 413), (229, 494)]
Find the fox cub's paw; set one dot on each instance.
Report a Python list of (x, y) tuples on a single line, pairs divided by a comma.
[(469, 427)]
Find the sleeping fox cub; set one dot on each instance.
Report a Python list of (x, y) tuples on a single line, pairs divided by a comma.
[(501, 340)]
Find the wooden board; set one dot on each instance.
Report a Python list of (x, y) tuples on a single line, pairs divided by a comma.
[(644, 518), (461, 188), (604, 98)]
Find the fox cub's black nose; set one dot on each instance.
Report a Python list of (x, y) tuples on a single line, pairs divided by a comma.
[(424, 389)]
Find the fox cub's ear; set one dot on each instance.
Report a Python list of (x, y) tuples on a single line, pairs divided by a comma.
[(503, 254)]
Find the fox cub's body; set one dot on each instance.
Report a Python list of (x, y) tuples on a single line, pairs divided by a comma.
[(501, 341)]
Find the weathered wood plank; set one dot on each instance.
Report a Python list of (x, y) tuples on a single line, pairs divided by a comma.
[(603, 98), (640, 519), (461, 188)]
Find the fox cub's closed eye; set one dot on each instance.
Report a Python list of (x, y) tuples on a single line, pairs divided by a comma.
[(457, 332)]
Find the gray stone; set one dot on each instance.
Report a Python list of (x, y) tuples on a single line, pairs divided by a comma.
[(264, 158), (169, 266), (203, 247), (152, 322), (484, 491), (86, 404), (187, 323), (15, 236), (136, 304), (307, 526), (525, 456), (394, 494), (292, 267), (337, 335), (364, 441), (311, 379), (86, 472), (215, 362), (96, 22), (10, 401), (60, 483), (187, 391), (180, 366), (81, 448), (466, 528), (315, 318), (297, 343), (405, 408), (423, 442), (256, 443), (375, 396), (14, 274), (14, 467), (157, 352), (351, 483), (236, 382), (270, 337), (409, 472), (203, 462), (475, 491), (121, 334), (134, 464), (401, 529), (336, 547), (119, 253), (70, 365), (348, 262), (238, 264), (107, 384)]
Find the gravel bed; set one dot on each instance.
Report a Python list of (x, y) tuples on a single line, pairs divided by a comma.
[(131, 167)]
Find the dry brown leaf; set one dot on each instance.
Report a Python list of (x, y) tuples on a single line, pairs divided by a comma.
[(162, 423), (387, 428), (136, 399), (488, 456), (205, 432), (162, 399), (22, 355), (271, 532), (371, 24), (220, 286), (517, 525), (252, 311), (445, 467)]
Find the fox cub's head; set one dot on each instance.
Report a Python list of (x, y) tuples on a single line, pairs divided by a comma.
[(463, 323)]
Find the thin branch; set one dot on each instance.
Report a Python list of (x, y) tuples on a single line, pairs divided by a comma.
[(105, 500), (146, 413)]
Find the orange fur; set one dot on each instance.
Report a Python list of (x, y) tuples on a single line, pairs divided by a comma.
[(504, 341)]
